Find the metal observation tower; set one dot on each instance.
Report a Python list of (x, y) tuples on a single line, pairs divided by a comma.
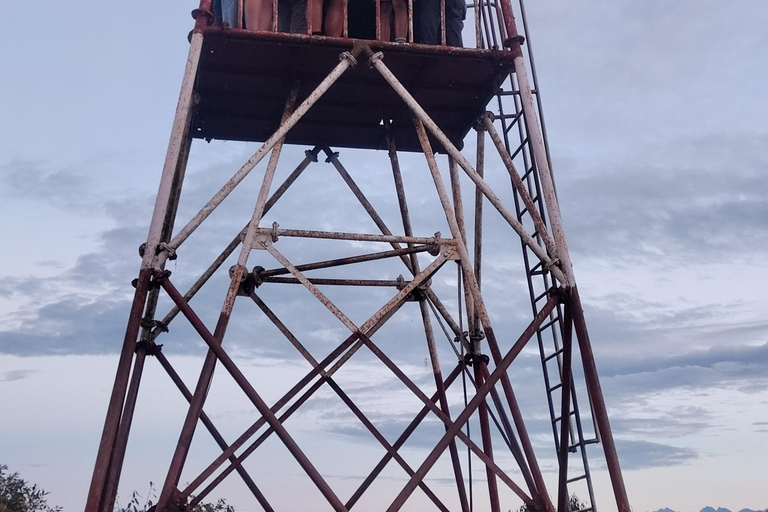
[(432, 270)]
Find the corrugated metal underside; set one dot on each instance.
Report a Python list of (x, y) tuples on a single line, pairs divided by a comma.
[(245, 78)]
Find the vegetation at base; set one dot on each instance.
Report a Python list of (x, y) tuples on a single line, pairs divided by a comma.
[(139, 503), (575, 504), (18, 495)]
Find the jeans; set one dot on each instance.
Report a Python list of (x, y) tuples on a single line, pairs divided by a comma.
[(428, 26), (291, 16), (225, 11)]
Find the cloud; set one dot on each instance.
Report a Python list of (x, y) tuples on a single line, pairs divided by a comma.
[(12, 375), (677, 207), (637, 455)]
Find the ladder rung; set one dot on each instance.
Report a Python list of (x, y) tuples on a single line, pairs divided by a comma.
[(558, 418), (576, 479), (553, 355), (548, 324), (555, 387), (583, 442), (519, 148), (529, 171)]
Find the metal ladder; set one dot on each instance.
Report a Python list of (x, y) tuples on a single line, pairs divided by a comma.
[(514, 131)]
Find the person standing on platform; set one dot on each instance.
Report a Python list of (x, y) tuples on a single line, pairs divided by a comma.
[(400, 10), (292, 16), (225, 12), (429, 22), (334, 18), (258, 15)]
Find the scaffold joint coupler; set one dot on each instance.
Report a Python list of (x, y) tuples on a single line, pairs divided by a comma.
[(163, 246), (150, 347)]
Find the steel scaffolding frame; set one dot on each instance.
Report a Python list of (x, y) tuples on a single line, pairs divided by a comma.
[(535, 218)]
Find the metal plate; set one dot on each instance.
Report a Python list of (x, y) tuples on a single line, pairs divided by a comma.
[(245, 78)]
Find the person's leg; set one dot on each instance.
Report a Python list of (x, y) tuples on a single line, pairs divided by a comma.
[(429, 22), (258, 15), (229, 12), (385, 13), (298, 13), (455, 12), (334, 19), (284, 8), (216, 12), (401, 20)]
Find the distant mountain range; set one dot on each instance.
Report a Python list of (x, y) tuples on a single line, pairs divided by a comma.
[(711, 509)]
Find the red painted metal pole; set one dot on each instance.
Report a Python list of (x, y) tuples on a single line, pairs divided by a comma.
[(485, 433), (214, 433), (438, 376), (401, 440), (215, 347), (118, 453), (598, 403), (119, 389), (482, 391), (563, 504)]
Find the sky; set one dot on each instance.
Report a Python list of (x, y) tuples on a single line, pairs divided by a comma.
[(656, 116)]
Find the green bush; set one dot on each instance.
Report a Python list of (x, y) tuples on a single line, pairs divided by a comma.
[(17, 495)]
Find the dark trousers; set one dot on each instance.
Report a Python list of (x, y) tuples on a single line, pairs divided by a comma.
[(428, 22)]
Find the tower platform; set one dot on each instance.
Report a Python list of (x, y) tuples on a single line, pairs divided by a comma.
[(245, 77)]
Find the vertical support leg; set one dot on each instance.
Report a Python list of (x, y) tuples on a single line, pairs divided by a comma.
[(118, 453), (438, 374), (96, 501), (478, 244), (458, 207), (598, 402), (209, 365), (400, 189), (485, 433), (565, 410), (553, 211), (483, 314), (114, 411)]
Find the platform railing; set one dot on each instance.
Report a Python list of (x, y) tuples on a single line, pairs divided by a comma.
[(492, 21)]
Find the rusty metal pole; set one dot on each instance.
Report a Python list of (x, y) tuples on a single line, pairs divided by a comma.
[(483, 314), (423, 307), (598, 402), (114, 411), (118, 453), (565, 410), (438, 376), (474, 403), (485, 433), (553, 210), (517, 182), (478, 241), (96, 494), (206, 373), (450, 148), (217, 437), (348, 59), (121, 442), (469, 279), (215, 347), (458, 207)]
